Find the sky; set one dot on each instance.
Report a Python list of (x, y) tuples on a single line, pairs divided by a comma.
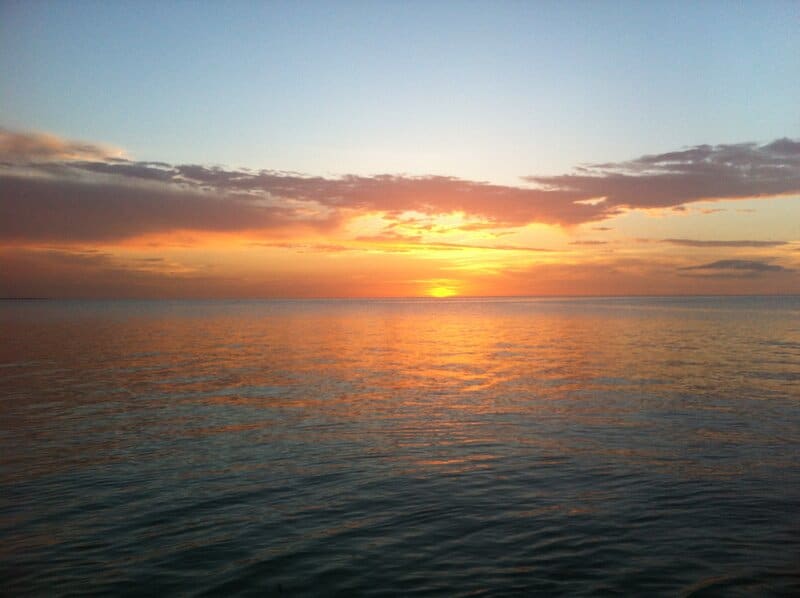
[(395, 149)]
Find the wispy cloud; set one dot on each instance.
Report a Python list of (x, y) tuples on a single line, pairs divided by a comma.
[(86, 273), (308, 247), (58, 272), (18, 148), (703, 243), (735, 268), (395, 240)]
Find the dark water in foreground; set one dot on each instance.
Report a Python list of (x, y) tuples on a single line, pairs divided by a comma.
[(497, 447)]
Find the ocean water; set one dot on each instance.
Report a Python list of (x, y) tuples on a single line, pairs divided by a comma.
[(401, 447)]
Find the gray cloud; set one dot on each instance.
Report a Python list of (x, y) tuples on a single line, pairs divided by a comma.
[(703, 172), (64, 210), (699, 243), (742, 267)]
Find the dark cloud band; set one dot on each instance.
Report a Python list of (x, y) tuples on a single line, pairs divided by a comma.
[(67, 191)]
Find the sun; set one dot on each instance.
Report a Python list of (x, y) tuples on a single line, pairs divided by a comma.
[(442, 291)]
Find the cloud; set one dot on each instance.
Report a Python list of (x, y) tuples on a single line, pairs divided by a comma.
[(24, 147), (699, 173), (503, 247), (64, 210), (638, 276), (589, 242), (80, 273), (88, 273), (699, 243), (391, 237), (58, 190), (735, 268), (396, 240), (308, 247)]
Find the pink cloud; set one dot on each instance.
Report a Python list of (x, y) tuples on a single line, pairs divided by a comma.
[(52, 189)]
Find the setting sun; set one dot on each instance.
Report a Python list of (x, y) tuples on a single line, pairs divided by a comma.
[(442, 291), (455, 297)]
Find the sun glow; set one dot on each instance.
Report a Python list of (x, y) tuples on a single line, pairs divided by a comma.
[(442, 291)]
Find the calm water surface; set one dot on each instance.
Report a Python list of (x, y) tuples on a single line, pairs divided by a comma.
[(448, 447)]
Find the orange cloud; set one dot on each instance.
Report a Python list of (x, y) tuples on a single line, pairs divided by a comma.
[(73, 191), (77, 220)]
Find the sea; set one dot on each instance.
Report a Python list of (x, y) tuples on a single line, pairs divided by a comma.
[(404, 447)]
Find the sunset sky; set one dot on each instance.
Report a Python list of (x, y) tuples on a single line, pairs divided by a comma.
[(377, 149)]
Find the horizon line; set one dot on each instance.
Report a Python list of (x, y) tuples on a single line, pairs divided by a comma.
[(409, 297)]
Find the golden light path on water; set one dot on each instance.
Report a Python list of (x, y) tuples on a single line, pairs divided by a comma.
[(639, 446)]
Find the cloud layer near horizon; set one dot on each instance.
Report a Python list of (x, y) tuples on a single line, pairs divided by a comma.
[(54, 190)]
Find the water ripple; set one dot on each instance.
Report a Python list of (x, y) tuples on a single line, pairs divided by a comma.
[(466, 448)]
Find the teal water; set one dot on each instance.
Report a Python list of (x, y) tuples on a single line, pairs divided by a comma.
[(401, 447)]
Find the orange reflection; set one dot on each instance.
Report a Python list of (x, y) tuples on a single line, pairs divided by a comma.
[(433, 385)]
